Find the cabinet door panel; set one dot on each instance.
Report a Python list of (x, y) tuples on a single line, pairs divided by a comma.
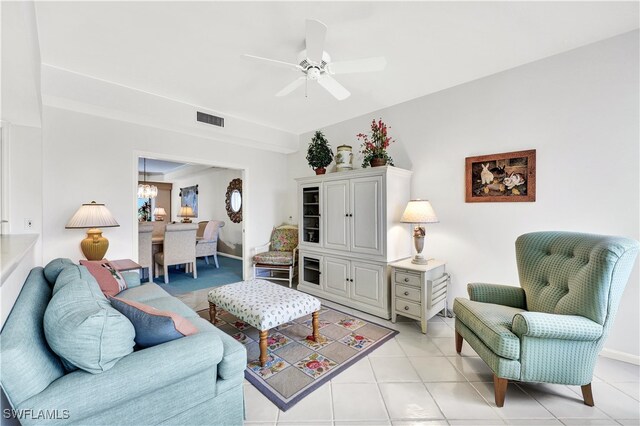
[(336, 274), (368, 283), (366, 223), (336, 203)]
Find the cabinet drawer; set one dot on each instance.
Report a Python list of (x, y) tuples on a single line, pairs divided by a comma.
[(403, 277), (406, 307), (410, 293)]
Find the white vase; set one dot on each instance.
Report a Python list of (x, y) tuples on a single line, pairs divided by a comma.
[(344, 158)]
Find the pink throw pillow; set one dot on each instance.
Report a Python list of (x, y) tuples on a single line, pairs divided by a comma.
[(110, 281)]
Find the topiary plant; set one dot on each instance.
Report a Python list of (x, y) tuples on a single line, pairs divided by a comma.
[(319, 154)]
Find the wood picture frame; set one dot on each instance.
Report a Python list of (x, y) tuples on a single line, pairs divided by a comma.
[(506, 177)]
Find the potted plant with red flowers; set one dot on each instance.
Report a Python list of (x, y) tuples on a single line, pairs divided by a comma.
[(375, 149), (319, 154)]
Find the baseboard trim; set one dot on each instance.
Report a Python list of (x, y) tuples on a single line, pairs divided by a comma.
[(620, 356), (229, 255)]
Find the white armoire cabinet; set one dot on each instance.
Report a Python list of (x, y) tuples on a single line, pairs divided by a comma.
[(350, 232)]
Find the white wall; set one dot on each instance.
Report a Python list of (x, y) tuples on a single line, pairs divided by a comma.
[(93, 158), (579, 110), (212, 188)]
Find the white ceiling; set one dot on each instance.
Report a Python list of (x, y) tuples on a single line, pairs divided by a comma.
[(190, 51)]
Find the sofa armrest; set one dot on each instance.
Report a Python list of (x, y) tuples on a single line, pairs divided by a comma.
[(554, 326), (135, 375), (131, 278), (498, 294)]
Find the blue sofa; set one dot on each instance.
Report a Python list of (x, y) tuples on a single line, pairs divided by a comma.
[(196, 379)]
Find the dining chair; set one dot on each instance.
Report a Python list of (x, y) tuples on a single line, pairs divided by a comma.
[(207, 240), (145, 257), (179, 247)]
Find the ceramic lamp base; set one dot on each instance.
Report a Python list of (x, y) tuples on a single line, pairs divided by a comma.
[(418, 241), (95, 246)]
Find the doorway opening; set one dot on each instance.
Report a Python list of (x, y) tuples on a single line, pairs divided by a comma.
[(175, 194)]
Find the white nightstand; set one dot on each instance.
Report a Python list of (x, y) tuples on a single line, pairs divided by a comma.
[(418, 291)]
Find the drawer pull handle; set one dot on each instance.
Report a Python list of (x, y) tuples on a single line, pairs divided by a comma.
[(406, 293), (406, 308), (406, 280)]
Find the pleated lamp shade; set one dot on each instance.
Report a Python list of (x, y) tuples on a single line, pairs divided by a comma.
[(92, 215)]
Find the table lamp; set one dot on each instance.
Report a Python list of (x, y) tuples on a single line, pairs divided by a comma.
[(419, 212), (93, 216), (186, 212), (159, 213)]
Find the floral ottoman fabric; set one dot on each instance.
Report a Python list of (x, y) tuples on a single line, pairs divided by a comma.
[(263, 304)]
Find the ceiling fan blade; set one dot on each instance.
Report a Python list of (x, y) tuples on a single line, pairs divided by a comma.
[(291, 86), (273, 62), (377, 63), (333, 87), (316, 33)]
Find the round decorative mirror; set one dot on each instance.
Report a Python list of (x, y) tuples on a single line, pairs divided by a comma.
[(234, 200)]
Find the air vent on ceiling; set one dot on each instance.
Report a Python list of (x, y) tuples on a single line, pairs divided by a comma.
[(210, 119)]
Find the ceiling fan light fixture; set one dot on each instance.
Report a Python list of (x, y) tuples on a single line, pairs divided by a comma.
[(313, 73)]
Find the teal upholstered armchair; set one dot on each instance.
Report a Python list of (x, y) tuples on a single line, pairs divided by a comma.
[(552, 328)]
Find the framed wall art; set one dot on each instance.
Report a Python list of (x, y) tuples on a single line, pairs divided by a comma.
[(189, 197), (506, 177)]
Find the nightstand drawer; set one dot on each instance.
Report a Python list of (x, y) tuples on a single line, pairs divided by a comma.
[(406, 307), (409, 293), (403, 277)]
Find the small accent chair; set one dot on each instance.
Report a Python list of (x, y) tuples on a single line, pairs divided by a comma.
[(552, 328), (145, 257), (179, 247), (276, 260), (207, 240)]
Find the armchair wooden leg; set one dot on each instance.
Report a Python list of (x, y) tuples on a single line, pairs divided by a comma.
[(194, 270), (166, 274), (206, 259), (458, 342), (500, 389), (215, 258), (587, 395)]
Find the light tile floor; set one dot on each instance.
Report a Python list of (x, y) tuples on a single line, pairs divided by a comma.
[(415, 379)]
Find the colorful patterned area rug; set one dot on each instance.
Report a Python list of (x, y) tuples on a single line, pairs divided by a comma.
[(295, 366)]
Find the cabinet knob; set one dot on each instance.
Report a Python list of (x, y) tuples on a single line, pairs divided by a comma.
[(346, 215), (406, 293), (406, 280), (406, 308), (351, 280), (350, 214)]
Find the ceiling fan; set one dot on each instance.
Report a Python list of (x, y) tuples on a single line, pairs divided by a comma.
[(315, 64)]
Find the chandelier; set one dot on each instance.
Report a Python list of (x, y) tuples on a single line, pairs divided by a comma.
[(144, 189)]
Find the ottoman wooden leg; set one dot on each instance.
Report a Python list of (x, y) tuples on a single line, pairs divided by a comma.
[(315, 323), (263, 347), (212, 313)]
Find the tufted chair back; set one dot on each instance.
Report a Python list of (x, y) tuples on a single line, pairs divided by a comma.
[(574, 274)]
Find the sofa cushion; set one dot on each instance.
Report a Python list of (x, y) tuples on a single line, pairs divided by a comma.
[(274, 258), (152, 325), (84, 329), (492, 324), (70, 274), (111, 282), (53, 269)]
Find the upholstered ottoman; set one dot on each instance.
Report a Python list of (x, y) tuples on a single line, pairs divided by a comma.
[(264, 305)]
